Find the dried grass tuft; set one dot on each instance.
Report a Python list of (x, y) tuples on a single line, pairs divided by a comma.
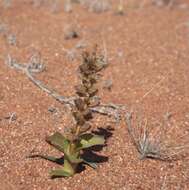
[(154, 142)]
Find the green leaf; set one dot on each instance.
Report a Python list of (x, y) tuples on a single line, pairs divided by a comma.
[(67, 171), (60, 173), (88, 140), (49, 158), (58, 141), (73, 158)]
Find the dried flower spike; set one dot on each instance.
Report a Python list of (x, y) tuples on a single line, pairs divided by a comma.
[(78, 139)]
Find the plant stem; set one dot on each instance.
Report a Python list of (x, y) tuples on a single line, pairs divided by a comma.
[(77, 131), (68, 167)]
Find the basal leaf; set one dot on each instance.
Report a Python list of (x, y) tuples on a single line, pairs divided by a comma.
[(74, 158), (60, 173), (49, 158), (67, 171), (58, 141), (88, 140)]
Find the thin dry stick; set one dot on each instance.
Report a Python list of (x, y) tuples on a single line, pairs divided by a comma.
[(105, 50), (132, 133), (28, 69), (150, 91)]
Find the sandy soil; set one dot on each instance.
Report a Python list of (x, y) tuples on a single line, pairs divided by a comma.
[(148, 52)]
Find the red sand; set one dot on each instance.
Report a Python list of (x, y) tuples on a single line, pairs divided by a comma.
[(144, 46)]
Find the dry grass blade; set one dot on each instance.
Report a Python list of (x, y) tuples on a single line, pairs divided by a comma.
[(154, 144)]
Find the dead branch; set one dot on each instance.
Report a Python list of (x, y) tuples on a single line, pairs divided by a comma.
[(28, 69)]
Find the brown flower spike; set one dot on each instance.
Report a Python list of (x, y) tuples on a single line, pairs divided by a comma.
[(73, 144)]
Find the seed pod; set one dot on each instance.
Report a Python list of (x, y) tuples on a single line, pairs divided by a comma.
[(93, 78), (80, 104), (87, 84), (87, 100), (94, 101), (85, 127), (81, 90), (99, 65), (79, 118), (92, 91), (83, 68), (87, 114)]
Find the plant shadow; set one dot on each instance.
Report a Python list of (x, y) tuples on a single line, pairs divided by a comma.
[(106, 132)]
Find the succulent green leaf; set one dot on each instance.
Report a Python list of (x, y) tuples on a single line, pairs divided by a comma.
[(88, 140), (58, 141), (49, 158), (74, 158), (60, 173), (67, 171)]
